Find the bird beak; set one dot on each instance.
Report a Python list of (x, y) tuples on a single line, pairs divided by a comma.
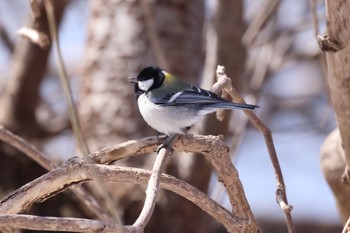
[(132, 80)]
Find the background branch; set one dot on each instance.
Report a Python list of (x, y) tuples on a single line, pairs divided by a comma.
[(281, 196), (86, 199)]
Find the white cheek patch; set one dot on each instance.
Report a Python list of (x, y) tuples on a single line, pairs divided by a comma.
[(145, 85)]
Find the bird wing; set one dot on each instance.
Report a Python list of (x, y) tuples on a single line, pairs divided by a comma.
[(192, 95)]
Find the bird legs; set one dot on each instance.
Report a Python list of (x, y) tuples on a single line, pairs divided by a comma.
[(168, 143)]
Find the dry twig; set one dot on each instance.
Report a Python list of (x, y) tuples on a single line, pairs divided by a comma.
[(281, 196), (153, 186), (313, 6), (346, 228), (73, 113)]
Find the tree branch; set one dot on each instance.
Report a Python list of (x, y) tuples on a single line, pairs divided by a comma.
[(281, 197), (86, 199), (153, 185), (335, 43), (78, 170), (31, 222)]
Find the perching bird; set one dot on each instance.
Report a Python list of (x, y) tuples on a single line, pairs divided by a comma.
[(170, 105)]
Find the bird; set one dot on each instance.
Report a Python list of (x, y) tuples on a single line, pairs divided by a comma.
[(170, 105)]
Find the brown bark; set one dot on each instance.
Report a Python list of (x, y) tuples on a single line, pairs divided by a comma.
[(336, 45), (119, 46), (338, 64), (78, 170)]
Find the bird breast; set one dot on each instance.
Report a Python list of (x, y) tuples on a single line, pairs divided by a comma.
[(167, 119)]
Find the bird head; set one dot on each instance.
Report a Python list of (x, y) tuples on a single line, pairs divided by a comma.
[(148, 79)]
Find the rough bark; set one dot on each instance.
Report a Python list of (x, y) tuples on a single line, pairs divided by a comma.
[(335, 43), (118, 47)]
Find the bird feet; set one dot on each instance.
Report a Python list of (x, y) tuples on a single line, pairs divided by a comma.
[(168, 143)]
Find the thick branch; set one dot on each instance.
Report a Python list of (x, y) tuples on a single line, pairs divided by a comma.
[(336, 43), (31, 222), (78, 170)]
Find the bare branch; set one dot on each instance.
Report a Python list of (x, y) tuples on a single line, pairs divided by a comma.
[(335, 43), (31, 222), (78, 170), (73, 113), (26, 148), (313, 6), (153, 185), (34, 36), (86, 199), (281, 196), (346, 228)]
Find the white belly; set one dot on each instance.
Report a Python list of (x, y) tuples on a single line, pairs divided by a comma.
[(166, 119)]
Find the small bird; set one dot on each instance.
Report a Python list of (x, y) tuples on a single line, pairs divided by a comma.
[(172, 106)]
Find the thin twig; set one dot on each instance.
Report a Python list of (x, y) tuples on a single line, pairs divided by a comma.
[(260, 19), (73, 113), (281, 196), (153, 186), (313, 7), (211, 52), (346, 228)]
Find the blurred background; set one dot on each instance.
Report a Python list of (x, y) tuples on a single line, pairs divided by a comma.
[(268, 48)]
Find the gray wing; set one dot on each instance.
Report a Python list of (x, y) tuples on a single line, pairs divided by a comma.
[(199, 96), (193, 95)]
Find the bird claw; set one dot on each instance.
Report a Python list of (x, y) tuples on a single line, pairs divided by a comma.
[(168, 143), (165, 146)]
